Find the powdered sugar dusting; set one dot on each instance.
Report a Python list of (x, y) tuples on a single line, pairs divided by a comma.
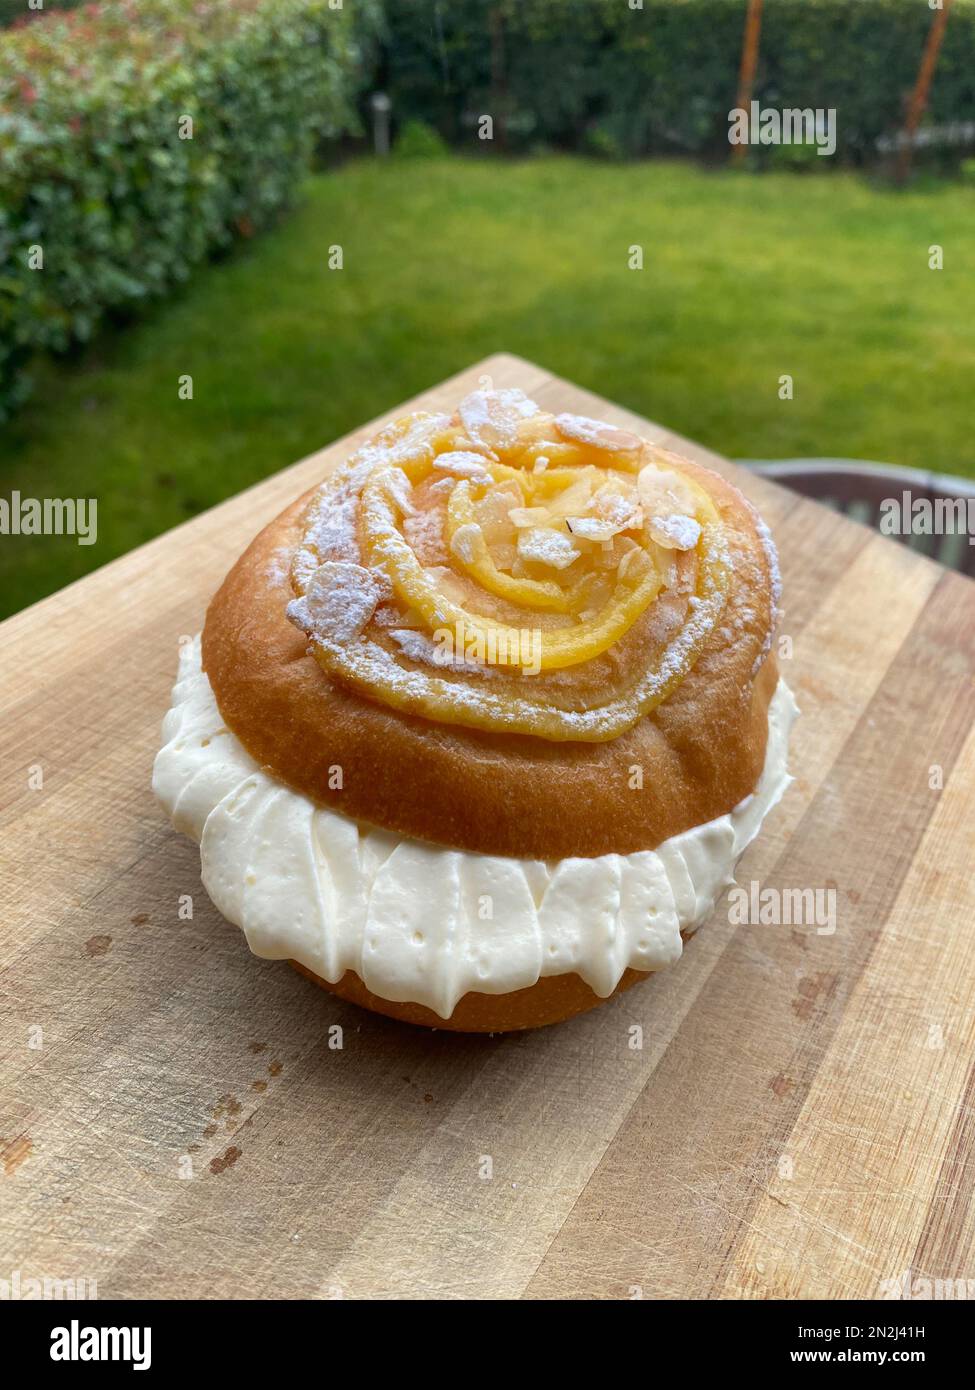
[(420, 648), (388, 615), (772, 560), (424, 532), (775, 582), (623, 511), (331, 528), (278, 568), (390, 446)]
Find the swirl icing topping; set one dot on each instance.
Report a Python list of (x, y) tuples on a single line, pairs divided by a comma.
[(510, 570)]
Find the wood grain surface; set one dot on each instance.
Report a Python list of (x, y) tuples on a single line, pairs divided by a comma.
[(798, 1121)]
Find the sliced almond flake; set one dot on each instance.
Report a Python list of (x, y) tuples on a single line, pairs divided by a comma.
[(625, 563), (543, 546), (529, 516), (447, 582), (340, 600), (492, 417), (576, 498), (462, 463), (398, 487), (503, 554), (471, 445), (675, 532), (491, 514), (464, 541), (596, 433), (592, 528), (663, 492)]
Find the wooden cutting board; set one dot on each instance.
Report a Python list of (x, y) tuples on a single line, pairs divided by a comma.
[(798, 1121)]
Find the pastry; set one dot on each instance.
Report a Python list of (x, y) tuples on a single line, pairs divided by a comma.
[(477, 729)]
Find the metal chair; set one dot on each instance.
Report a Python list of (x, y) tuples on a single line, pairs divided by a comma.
[(860, 489)]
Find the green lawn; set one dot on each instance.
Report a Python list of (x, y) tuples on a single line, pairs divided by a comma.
[(746, 277)]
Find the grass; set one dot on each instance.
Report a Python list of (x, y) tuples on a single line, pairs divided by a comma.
[(745, 278)]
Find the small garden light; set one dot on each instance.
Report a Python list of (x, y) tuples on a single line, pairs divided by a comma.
[(381, 106)]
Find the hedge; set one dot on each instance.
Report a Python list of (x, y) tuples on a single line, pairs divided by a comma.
[(598, 74), (97, 175)]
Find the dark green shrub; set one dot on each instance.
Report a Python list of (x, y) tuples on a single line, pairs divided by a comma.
[(102, 174), (796, 159), (600, 140), (419, 140)]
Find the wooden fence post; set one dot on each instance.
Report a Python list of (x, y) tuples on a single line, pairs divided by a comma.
[(746, 73), (919, 96)]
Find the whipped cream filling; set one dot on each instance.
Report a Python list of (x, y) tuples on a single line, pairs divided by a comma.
[(418, 922)]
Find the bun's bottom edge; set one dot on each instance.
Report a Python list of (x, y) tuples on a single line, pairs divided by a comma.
[(551, 999)]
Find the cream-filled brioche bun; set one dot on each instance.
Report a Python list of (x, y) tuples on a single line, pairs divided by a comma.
[(478, 727)]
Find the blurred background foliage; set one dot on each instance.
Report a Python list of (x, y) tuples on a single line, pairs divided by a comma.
[(451, 252), (579, 74)]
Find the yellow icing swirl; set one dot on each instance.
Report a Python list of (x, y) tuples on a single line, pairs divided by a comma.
[(457, 565)]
